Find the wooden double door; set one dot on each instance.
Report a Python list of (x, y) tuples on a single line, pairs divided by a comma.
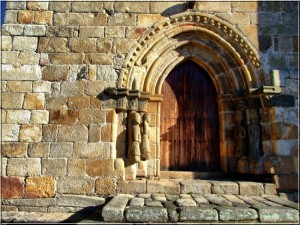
[(189, 121)]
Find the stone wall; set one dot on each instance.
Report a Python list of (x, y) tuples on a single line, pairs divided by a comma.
[(60, 132)]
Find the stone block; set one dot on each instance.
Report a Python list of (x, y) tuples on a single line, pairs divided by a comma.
[(66, 58), (18, 116), (80, 19), (104, 45), (6, 44), (146, 20), (61, 116), (76, 168), (280, 164), (8, 104), (163, 186), (43, 17), (286, 182), (11, 187), (29, 58), (87, 7), (59, 6), (100, 167), (9, 57), (131, 187), (193, 214), (278, 214), (19, 86), (30, 133), (91, 31), (124, 45), (39, 149), (50, 132), (23, 72), (122, 19), (195, 187), (115, 32), (135, 32), (217, 200), (72, 133), (133, 7), (54, 44), (25, 17), (11, 17), (92, 150), (40, 187), (15, 5), (251, 188), (78, 102), (12, 29), (55, 73), (70, 89), (37, 202), (107, 73), (25, 43), (14, 149), (146, 214), (34, 101), (79, 201), (167, 8), (34, 30), (185, 202), (61, 150), (244, 7), (270, 189), (285, 147), (106, 133), (91, 116), (94, 133), (39, 116), (105, 186), (225, 188), (113, 211), (23, 167), (41, 86), (214, 7), (37, 6), (10, 132), (75, 185), (98, 58), (82, 44), (237, 214), (56, 103), (54, 167)]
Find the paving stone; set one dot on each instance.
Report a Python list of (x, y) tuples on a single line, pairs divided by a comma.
[(185, 196), (144, 195), (251, 188), (199, 199), (32, 217), (193, 214), (113, 211), (172, 213), (217, 199), (7, 217), (138, 202), (146, 214), (281, 201), (163, 186), (160, 198), (185, 202), (252, 202), (172, 197), (278, 214), (265, 201), (126, 196), (79, 201), (236, 201), (195, 187), (152, 203), (38, 202), (225, 187), (237, 213)]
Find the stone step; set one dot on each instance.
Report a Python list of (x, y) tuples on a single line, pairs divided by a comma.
[(217, 208), (196, 186)]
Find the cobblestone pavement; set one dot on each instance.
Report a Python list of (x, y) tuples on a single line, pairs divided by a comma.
[(168, 208)]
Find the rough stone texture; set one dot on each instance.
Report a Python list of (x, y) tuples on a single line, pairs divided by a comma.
[(273, 214), (56, 73), (137, 202), (225, 188), (131, 187), (39, 149), (75, 185), (236, 214), (114, 210), (34, 101), (54, 167), (185, 202), (92, 150), (25, 43), (195, 187), (188, 214), (100, 167), (58, 116), (105, 186), (79, 201), (10, 132), (11, 187), (251, 188), (40, 187), (146, 214), (30, 133), (21, 72), (217, 200), (40, 117), (23, 167), (76, 168), (69, 133), (18, 116), (162, 186), (14, 149)]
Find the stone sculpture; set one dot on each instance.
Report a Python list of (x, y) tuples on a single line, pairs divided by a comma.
[(145, 147), (135, 138)]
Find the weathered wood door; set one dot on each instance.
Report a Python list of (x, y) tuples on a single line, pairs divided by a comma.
[(189, 121)]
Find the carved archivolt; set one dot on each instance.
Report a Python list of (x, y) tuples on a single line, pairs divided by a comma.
[(214, 44)]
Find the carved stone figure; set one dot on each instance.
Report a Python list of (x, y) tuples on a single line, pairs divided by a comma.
[(254, 138), (135, 138), (145, 148), (240, 141)]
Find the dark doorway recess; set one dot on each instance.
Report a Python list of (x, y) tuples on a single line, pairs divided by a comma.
[(189, 121)]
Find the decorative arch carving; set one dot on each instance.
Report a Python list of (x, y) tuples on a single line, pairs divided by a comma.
[(214, 44)]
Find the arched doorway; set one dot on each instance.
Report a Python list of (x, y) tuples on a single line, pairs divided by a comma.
[(189, 121)]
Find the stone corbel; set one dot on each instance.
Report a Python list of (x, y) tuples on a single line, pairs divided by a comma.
[(129, 100)]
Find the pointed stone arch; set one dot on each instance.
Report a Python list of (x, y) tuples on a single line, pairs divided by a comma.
[(217, 46)]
